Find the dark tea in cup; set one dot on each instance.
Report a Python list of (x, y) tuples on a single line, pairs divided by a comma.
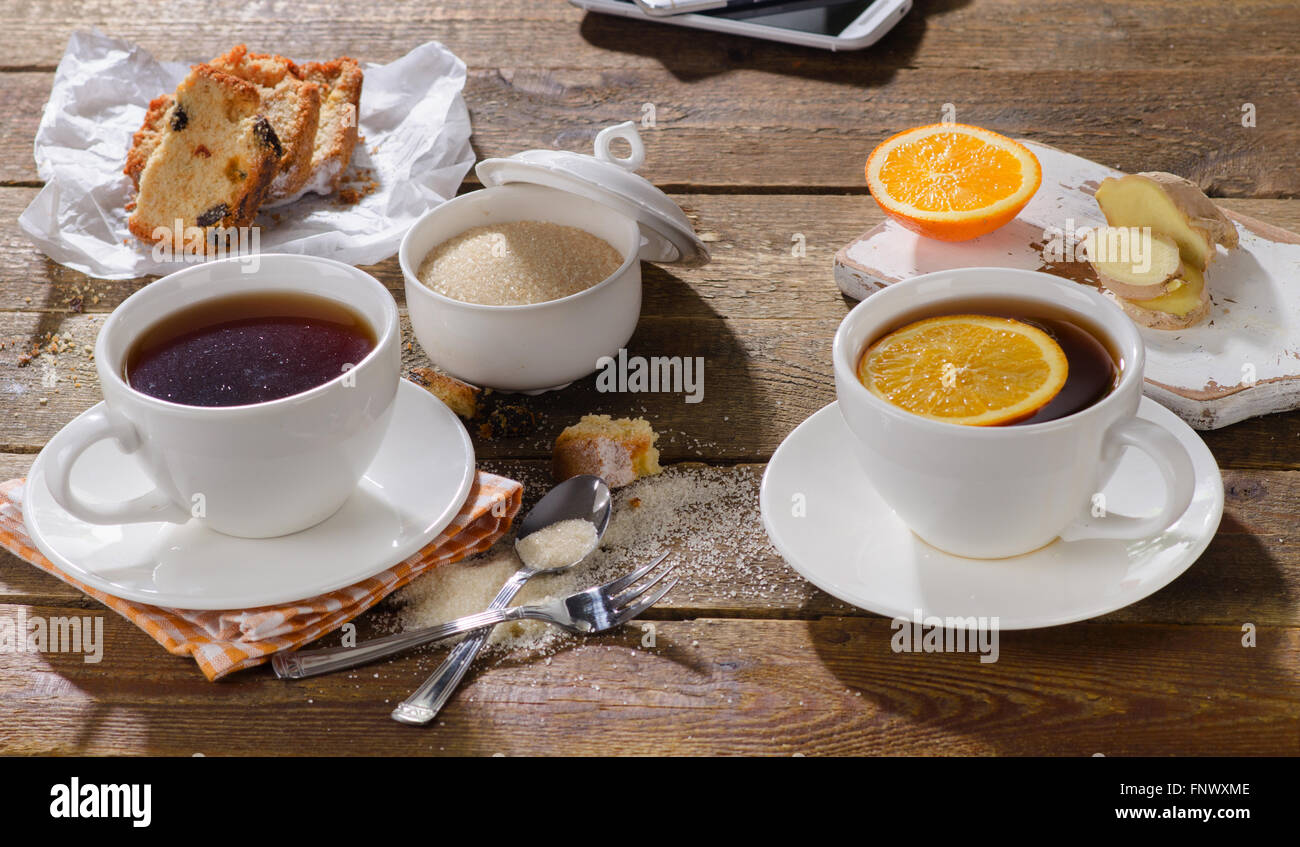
[(247, 348)]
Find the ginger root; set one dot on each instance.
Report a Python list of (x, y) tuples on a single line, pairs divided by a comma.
[(1170, 205), (1177, 211)]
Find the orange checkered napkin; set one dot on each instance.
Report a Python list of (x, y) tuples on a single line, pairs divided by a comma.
[(226, 641)]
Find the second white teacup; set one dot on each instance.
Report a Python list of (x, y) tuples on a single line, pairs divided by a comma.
[(993, 492), (257, 470)]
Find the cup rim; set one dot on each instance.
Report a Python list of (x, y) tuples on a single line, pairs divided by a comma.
[(386, 336), (412, 278), (843, 359)]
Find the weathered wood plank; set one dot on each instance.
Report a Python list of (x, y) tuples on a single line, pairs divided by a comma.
[(749, 365), (762, 377), (750, 127), (1250, 573), (830, 686), (993, 33), (754, 273)]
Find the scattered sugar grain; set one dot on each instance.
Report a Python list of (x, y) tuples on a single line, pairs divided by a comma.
[(468, 586), (707, 516)]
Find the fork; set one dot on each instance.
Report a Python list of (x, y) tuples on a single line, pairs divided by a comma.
[(584, 612)]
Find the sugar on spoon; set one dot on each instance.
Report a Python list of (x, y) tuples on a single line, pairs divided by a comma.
[(546, 548), (584, 498)]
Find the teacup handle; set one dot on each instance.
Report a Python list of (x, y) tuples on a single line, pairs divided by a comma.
[(66, 448), (1175, 467)]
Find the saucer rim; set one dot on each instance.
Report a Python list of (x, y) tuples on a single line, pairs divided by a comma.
[(391, 557), (1190, 557)]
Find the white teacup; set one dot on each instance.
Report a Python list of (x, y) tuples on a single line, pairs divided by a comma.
[(992, 492), (254, 471)]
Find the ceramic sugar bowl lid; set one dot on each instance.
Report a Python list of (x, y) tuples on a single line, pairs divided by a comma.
[(611, 181)]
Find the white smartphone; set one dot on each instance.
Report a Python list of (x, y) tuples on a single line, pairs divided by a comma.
[(678, 7), (828, 24)]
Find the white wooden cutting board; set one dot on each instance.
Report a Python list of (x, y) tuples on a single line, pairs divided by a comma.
[(1242, 361)]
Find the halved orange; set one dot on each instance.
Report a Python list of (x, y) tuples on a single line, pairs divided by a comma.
[(952, 182), (975, 370)]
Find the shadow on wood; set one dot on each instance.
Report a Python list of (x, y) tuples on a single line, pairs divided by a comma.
[(691, 54)]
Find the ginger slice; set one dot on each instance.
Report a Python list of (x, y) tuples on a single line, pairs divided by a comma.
[(1170, 205), (1185, 305), (1134, 262)]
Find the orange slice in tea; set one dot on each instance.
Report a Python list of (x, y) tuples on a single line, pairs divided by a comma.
[(974, 370), (952, 182)]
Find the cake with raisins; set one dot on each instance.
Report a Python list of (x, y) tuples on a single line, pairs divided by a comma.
[(212, 162), (291, 104)]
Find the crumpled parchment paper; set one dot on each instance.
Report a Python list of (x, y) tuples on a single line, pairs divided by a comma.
[(415, 143)]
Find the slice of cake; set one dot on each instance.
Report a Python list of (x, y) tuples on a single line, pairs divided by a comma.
[(461, 397), (336, 132), (146, 139), (618, 450), (291, 104), (213, 163)]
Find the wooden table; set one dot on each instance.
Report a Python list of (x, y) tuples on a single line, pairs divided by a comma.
[(757, 141)]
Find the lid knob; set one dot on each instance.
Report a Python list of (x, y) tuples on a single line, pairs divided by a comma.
[(627, 132), (666, 232)]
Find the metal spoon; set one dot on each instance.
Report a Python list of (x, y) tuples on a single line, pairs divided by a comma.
[(584, 497)]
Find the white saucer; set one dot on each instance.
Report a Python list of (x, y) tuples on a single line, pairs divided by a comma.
[(414, 487), (851, 545)]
